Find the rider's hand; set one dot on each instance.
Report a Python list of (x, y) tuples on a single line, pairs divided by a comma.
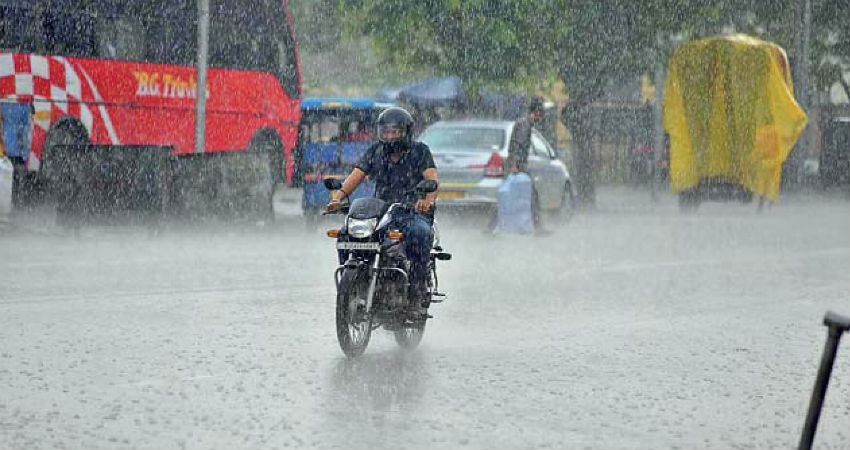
[(334, 205), (424, 205)]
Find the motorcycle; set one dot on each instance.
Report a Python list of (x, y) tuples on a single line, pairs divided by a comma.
[(372, 283)]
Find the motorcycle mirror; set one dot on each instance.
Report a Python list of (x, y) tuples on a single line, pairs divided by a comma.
[(427, 186), (332, 184)]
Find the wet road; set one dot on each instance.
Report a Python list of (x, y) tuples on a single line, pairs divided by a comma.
[(633, 327)]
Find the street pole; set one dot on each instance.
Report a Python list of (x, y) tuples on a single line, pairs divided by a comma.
[(201, 87), (804, 79), (662, 45), (658, 130), (801, 66)]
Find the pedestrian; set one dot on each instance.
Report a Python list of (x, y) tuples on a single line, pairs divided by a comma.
[(517, 160)]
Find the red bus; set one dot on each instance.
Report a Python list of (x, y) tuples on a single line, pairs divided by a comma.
[(121, 72)]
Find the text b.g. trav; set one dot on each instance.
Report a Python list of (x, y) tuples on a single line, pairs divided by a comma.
[(164, 85)]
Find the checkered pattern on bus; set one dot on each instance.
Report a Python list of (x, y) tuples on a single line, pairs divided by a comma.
[(55, 89)]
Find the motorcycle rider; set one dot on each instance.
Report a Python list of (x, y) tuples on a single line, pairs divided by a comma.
[(397, 163)]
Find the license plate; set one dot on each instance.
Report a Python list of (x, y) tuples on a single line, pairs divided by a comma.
[(450, 195), (358, 246)]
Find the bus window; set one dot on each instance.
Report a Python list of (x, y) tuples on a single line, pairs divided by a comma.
[(43, 26), (256, 38), (17, 27), (232, 31), (69, 29), (132, 30), (287, 69), (170, 32), (119, 38)]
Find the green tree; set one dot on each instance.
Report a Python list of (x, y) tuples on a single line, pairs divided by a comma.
[(482, 41), (317, 23), (830, 56)]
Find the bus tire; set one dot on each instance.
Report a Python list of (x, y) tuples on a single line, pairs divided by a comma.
[(58, 165), (62, 168)]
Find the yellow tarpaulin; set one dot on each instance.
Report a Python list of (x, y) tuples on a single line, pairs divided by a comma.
[(730, 112)]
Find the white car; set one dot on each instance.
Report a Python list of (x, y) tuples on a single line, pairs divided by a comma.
[(470, 157)]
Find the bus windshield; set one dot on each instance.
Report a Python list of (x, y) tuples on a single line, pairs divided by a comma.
[(244, 34)]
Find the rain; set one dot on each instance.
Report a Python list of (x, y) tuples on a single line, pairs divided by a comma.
[(175, 283)]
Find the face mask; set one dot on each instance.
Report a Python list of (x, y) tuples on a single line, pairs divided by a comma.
[(394, 147)]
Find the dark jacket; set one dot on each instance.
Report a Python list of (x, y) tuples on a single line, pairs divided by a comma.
[(393, 180), (519, 146)]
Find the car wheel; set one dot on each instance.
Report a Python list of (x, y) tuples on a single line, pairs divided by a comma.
[(689, 201), (567, 208)]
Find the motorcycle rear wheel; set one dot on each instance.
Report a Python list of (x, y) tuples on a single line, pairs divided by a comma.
[(409, 336), (353, 326)]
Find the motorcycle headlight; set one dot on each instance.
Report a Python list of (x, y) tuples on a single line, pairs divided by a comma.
[(361, 228)]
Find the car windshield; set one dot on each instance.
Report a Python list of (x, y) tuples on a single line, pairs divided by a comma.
[(464, 138)]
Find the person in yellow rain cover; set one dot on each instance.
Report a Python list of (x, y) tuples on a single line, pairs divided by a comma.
[(730, 112)]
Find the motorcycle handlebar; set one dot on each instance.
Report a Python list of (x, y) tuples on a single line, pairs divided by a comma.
[(342, 210), (415, 193)]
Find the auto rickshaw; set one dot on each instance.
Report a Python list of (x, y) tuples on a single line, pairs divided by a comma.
[(730, 112), (334, 133)]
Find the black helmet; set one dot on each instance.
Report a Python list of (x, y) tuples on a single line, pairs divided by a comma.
[(399, 119), (536, 104)]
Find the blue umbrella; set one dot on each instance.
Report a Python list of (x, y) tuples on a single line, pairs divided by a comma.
[(433, 92)]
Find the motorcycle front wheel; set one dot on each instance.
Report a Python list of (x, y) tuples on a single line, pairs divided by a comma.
[(353, 324)]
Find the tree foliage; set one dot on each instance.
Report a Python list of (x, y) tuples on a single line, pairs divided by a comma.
[(831, 43), (317, 24), (588, 44), (483, 42)]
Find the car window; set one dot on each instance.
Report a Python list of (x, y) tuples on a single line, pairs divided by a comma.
[(539, 147), (464, 138)]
